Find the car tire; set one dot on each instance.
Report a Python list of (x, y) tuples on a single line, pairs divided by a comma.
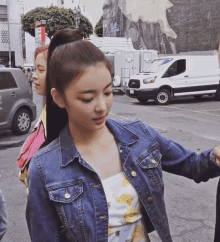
[(198, 97), (22, 122), (142, 100), (163, 97)]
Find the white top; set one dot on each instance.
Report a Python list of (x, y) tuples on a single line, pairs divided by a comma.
[(125, 219)]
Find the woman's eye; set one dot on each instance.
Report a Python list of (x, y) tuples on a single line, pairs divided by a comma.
[(86, 100), (108, 93)]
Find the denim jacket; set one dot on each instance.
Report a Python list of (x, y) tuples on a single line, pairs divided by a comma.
[(66, 200)]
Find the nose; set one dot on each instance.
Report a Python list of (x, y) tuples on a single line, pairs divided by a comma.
[(101, 105), (35, 75)]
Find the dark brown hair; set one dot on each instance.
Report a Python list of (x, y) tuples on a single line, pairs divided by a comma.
[(67, 63)]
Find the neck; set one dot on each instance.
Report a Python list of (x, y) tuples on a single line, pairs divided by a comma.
[(84, 137)]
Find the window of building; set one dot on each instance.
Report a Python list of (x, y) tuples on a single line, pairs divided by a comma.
[(176, 68), (4, 36), (3, 13), (7, 81)]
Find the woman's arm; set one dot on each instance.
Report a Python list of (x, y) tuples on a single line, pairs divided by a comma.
[(42, 218), (180, 161)]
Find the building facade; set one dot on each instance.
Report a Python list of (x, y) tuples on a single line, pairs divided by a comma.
[(10, 34), (169, 26)]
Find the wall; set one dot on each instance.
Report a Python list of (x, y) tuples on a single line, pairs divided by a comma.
[(15, 31), (169, 26)]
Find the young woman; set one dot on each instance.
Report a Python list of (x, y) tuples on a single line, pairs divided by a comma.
[(100, 179), (39, 134)]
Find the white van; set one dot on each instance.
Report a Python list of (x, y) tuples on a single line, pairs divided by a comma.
[(175, 76)]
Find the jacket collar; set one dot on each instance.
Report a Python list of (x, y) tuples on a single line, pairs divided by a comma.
[(68, 149)]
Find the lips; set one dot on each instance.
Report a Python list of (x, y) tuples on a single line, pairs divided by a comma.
[(97, 119)]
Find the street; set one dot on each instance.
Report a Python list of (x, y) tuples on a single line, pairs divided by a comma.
[(190, 206)]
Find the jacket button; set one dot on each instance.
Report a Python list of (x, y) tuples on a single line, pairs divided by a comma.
[(160, 222), (150, 199), (133, 173), (153, 161), (67, 195), (120, 151)]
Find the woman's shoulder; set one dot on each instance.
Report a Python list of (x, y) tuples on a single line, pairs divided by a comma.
[(50, 149)]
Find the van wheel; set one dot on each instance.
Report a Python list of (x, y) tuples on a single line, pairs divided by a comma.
[(22, 122), (217, 95), (142, 100), (163, 97), (198, 97)]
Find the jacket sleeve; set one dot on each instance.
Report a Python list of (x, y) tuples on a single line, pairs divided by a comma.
[(42, 218), (180, 161), (3, 216)]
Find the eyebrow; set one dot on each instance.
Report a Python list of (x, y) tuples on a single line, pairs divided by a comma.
[(93, 90), (40, 65)]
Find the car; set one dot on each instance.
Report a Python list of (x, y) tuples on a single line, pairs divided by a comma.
[(2, 66), (17, 109)]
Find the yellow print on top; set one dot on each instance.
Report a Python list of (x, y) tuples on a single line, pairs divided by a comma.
[(131, 215), (125, 199), (137, 233)]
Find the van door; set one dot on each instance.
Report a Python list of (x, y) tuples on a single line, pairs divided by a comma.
[(176, 74), (8, 95), (203, 75)]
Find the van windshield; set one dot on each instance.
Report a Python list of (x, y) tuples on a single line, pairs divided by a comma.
[(157, 65)]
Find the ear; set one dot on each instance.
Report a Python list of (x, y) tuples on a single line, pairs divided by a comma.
[(57, 98)]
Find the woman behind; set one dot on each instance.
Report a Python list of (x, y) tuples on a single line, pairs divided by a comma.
[(100, 179), (39, 134)]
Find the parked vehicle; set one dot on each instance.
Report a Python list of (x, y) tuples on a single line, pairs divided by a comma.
[(128, 63), (176, 76), (17, 109), (2, 66)]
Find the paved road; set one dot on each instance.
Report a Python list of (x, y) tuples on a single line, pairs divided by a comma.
[(190, 206)]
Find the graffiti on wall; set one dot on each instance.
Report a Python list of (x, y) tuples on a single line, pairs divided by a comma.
[(169, 26)]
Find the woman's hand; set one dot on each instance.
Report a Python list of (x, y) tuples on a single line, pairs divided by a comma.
[(217, 155)]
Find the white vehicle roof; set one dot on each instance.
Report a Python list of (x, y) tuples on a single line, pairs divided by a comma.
[(112, 44)]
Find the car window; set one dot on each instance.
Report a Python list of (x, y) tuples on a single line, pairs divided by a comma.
[(176, 68), (7, 81)]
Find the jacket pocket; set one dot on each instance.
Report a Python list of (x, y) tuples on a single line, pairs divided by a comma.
[(66, 194), (151, 166), (68, 201)]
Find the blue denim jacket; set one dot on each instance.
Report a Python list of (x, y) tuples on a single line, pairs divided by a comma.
[(66, 200)]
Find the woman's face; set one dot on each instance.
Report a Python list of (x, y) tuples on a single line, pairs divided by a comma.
[(88, 100), (40, 74)]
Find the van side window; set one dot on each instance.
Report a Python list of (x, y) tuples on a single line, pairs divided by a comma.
[(7, 81), (176, 68)]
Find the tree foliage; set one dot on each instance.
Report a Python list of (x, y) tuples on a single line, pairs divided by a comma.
[(57, 18), (99, 27)]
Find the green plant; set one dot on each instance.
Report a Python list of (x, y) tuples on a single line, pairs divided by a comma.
[(56, 19), (99, 27)]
